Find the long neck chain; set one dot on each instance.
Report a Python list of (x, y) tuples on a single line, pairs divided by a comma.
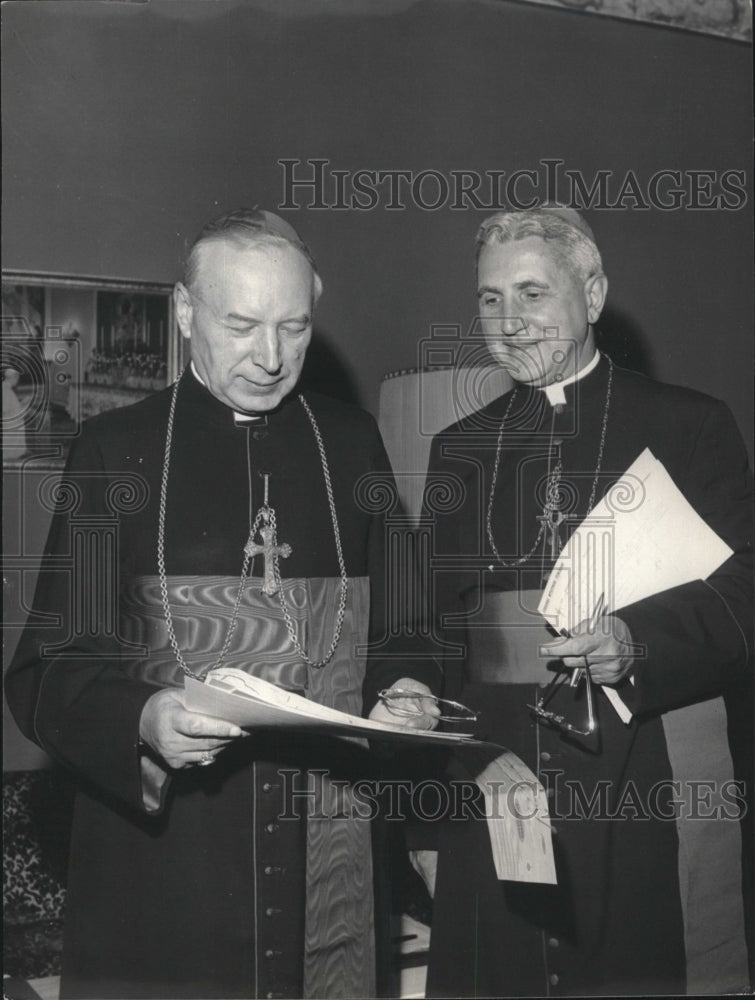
[(265, 515), (339, 552), (553, 487)]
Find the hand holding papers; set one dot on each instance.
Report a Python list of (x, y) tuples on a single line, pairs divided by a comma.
[(515, 803), (250, 702), (641, 539)]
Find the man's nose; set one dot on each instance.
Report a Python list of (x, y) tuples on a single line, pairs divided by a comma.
[(511, 325), (267, 352)]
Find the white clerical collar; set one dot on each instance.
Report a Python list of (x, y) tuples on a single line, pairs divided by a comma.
[(555, 391), (239, 418)]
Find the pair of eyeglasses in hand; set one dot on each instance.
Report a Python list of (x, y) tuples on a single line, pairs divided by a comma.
[(450, 711), (575, 676), (559, 721)]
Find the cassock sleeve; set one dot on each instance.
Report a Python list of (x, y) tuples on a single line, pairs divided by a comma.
[(403, 652), (65, 686), (696, 639)]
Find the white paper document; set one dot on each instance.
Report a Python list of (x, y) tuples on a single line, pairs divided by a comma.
[(515, 802), (252, 702), (516, 809), (643, 537)]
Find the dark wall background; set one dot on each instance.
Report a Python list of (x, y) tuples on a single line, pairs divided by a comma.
[(126, 125)]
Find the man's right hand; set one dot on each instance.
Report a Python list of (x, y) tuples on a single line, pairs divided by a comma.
[(182, 738)]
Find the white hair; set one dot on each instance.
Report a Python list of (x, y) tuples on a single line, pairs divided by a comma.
[(576, 250)]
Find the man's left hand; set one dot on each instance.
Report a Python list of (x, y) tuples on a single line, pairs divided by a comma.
[(607, 649), (414, 713)]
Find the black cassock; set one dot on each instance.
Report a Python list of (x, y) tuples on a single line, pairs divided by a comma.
[(645, 898), (213, 894)]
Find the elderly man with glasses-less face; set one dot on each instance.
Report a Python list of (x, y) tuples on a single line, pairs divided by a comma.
[(631, 912), (205, 862)]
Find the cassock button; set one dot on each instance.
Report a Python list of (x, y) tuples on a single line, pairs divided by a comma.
[(545, 756), (267, 787), (271, 827), (259, 435), (269, 953), (553, 942), (271, 911), (557, 442), (553, 979)]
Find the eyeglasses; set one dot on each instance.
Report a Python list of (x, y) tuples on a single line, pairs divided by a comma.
[(554, 719), (451, 711)]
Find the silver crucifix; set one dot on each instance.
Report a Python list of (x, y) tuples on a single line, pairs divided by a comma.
[(269, 547), (553, 519), (271, 552)]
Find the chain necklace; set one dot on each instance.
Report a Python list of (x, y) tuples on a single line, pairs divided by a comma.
[(265, 516), (341, 564), (551, 506)]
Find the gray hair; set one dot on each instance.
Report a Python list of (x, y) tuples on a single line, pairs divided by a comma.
[(247, 227), (573, 243)]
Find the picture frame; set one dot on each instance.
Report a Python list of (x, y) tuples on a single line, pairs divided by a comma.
[(73, 347)]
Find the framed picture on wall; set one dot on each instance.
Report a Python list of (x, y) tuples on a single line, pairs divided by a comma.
[(73, 347)]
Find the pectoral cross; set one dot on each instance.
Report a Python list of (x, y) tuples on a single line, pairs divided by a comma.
[(553, 519), (269, 549), (271, 552)]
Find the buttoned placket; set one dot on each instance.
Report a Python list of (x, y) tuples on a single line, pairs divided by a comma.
[(550, 943)]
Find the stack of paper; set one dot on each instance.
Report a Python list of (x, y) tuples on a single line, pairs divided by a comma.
[(232, 694), (515, 803), (641, 539)]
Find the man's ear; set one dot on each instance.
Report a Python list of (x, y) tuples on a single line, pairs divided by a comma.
[(596, 289), (316, 289), (184, 309)]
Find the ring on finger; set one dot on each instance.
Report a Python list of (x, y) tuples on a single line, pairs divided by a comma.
[(206, 759)]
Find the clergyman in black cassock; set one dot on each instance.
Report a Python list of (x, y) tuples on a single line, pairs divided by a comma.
[(189, 880), (649, 897)]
